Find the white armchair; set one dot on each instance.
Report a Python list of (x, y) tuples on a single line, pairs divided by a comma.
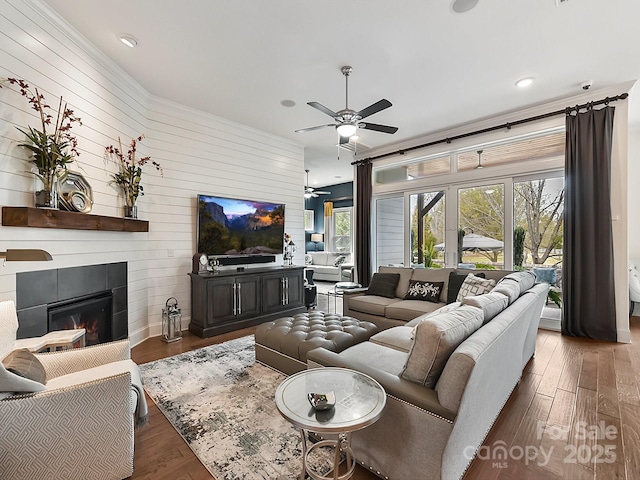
[(634, 284), (81, 424)]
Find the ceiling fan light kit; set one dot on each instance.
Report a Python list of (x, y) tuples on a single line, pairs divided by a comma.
[(349, 121)]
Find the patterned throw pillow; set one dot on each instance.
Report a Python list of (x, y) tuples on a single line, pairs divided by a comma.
[(429, 291), (24, 363), (455, 282), (473, 285), (339, 261)]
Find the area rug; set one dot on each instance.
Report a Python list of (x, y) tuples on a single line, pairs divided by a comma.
[(222, 403)]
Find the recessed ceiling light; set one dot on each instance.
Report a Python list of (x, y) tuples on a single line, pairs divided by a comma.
[(461, 6), (524, 82), (128, 40), (288, 103)]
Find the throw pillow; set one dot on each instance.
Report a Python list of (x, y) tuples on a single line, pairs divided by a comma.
[(24, 363), (429, 291), (473, 285), (10, 382), (308, 259), (455, 282), (435, 340), (339, 261), (383, 284)]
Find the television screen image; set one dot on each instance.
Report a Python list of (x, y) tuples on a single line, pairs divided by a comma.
[(229, 226)]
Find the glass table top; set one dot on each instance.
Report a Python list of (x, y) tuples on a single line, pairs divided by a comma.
[(359, 399)]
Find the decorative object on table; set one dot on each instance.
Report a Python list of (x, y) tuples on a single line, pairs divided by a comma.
[(289, 249), (322, 401), (316, 238), (129, 176), (75, 193), (200, 263), (52, 149), (171, 321)]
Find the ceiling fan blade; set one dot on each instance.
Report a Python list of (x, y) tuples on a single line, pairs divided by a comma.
[(322, 193), (375, 108), (344, 140), (378, 128), (314, 128), (322, 108)]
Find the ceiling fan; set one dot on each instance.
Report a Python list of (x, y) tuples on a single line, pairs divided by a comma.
[(311, 192), (348, 121)]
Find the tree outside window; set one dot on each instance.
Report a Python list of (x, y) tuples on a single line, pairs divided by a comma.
[(342, 230)]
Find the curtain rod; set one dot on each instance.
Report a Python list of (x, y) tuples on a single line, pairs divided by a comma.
[(508, 125)]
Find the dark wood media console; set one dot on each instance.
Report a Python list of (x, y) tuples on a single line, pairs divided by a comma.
[(229, 300)]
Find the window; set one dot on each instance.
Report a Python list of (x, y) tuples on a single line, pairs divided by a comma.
[(538, 217), (342, 226), (458, 213)]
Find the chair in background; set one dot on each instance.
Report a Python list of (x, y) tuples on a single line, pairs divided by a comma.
[(634, 284), (79, 423)]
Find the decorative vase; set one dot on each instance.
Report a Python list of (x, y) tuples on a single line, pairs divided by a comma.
[(131, 210), (48, 197)]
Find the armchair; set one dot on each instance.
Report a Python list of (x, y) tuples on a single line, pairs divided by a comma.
[(81, 424)]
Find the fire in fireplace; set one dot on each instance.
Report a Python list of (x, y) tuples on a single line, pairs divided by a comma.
[(91, 313)]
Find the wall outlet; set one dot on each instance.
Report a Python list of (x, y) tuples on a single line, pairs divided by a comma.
[(170, 252)]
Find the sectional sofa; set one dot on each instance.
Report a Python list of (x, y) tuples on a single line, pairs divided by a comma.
[(394, 311), (447, 375)]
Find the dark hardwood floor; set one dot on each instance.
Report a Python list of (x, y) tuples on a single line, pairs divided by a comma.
[(577, 408)]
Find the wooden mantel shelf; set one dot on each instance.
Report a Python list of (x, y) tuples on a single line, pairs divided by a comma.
[(48, 218)]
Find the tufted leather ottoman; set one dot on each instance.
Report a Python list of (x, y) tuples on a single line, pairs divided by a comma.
[(284, 343)]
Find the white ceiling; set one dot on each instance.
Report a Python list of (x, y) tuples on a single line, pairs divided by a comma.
[(240, 59)]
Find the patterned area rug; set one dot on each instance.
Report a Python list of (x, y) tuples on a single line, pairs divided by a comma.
[(222, 403)]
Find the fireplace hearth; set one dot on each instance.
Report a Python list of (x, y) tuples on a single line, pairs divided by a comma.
[(93, 297)]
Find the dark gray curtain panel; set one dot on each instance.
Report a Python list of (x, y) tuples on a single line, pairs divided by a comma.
[(588, 281), (363, 222)]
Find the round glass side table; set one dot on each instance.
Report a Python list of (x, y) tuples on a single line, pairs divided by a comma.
[(359, 403)]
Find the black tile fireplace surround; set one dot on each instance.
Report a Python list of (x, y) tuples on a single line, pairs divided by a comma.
[(37, 292)]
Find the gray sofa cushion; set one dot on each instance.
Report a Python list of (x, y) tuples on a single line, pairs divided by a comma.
[(473, 285), (524, 279), (510, 289), (398, 338), (403, 283), (409, 309), (435, 340), (442, 309), (376, 356), (433, 275), (370, 304), (491, 304)]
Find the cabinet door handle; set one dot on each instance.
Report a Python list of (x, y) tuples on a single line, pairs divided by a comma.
[(282, 291), (234, 298), (286, 282), (239, 299)]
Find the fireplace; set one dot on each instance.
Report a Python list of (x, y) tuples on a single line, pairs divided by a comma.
[(93, 297), (93, 314)]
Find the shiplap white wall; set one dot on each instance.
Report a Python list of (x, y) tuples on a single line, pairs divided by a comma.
[(199, 153)]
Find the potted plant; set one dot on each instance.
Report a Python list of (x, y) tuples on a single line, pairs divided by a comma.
[(53, 147), (129, 176)]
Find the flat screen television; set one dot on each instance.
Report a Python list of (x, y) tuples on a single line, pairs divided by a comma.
[(230, 226)]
